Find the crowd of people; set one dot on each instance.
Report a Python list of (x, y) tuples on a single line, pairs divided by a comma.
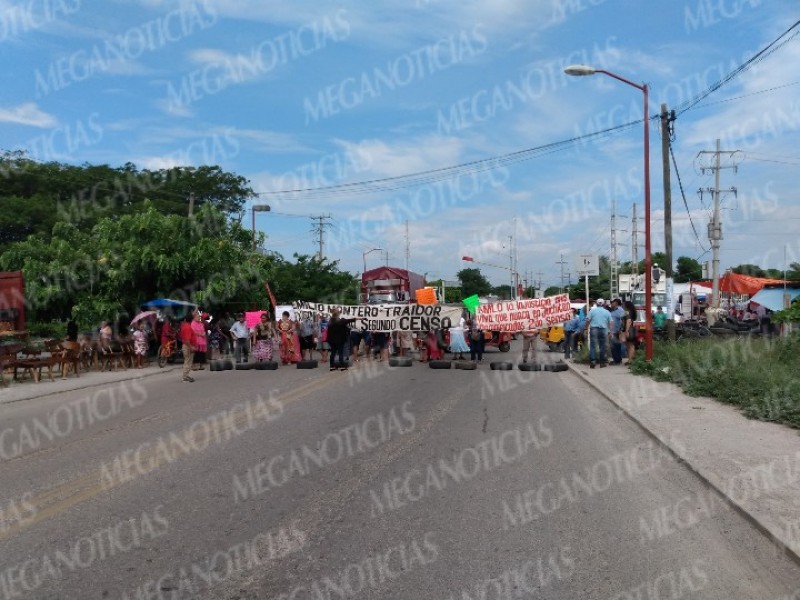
[(609, 329), (293, 340)]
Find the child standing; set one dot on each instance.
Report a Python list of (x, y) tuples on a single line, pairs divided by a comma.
[(140, 345)]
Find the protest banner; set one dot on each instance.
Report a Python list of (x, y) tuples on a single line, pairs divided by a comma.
[(524, 315), (388, 317)]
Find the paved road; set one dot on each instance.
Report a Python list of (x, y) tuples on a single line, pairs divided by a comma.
[(374, 483)]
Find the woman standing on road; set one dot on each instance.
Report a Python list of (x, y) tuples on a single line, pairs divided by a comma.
[(289, 342), (200, 342), (628, 331), (262, 335)]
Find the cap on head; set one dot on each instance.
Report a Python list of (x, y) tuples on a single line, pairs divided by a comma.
[(600, 302)]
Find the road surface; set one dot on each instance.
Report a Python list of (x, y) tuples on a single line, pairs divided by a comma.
[(370, 483)]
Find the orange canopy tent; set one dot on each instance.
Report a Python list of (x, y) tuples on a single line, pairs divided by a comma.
[(734, 283)]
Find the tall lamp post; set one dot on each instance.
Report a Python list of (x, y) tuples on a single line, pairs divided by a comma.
[(364, 255), (579, 71), (257, 208)]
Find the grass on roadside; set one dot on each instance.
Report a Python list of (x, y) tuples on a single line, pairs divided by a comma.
[(759, 375)]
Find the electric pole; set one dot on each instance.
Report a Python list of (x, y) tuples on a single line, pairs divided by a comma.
[(319, 229), (614, 264), (635, 246), (715, 226), (561, 262), (667, 132)]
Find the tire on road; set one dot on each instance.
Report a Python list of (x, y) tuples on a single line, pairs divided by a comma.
[(529, 367), (465, 366), (244, 366), (556, 367), (266, 366), (439, 364), (400, 361), (307, 364), (216, 365), (227, 364), (501, 366)]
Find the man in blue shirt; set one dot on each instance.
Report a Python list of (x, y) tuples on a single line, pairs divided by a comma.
[(598, 323), (617, 312)]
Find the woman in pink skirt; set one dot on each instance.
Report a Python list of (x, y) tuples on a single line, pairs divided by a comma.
[(261, 336)]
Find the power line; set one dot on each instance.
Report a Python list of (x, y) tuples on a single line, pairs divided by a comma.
[(683, 195)]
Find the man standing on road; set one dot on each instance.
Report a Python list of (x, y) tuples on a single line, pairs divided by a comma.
[(529, 345), (571, 330), (187, 339), (617, 312), (239, 336), (597, 324)]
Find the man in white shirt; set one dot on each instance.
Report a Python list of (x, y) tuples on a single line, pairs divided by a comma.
[(239, 337)]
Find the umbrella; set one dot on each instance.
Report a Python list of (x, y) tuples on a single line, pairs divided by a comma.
[(150, 315)]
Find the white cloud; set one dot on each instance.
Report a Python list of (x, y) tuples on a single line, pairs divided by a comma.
[(27, 114)]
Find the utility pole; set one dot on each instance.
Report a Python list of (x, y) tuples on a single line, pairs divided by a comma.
[(635, 247), (319, 229), (561, 262), (667, 119), (614, 280), (715, 226)]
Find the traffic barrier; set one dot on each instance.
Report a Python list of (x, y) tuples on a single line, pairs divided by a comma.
[(266, 366), (501, 366), (400, 361), (439, 364)]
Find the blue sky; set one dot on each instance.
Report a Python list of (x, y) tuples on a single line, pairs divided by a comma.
[(300, 95)]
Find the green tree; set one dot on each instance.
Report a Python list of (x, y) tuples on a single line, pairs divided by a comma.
[(688, 269), (473, 282), (122, 262), (747, 269), (35, 196), (310, 279)]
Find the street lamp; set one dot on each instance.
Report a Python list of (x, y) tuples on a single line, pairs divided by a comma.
[(364, 256), (579, 71), (257, 208)]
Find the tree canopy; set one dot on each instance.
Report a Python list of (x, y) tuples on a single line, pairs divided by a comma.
[(473, 282)]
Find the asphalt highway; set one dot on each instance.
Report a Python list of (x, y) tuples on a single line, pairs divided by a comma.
[(377, 482)]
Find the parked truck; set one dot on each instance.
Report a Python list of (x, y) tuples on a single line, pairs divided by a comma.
[(389, 284), (12, 302)]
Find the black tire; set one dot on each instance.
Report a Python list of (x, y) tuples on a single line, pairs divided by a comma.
[(556, 367), (244, 366), (216, 365), (501, 366), (465, 366), (227, 364), (400, 361), (307, 364), (266, 366), (529, 367), (439, 364), (342, 365), (504, 347)]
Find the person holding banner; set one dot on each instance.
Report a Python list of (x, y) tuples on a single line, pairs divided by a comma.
[(458, 344), (477, 341), (338, 334)]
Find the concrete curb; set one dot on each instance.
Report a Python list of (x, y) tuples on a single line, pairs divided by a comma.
[(45, 394), (782, 544)]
